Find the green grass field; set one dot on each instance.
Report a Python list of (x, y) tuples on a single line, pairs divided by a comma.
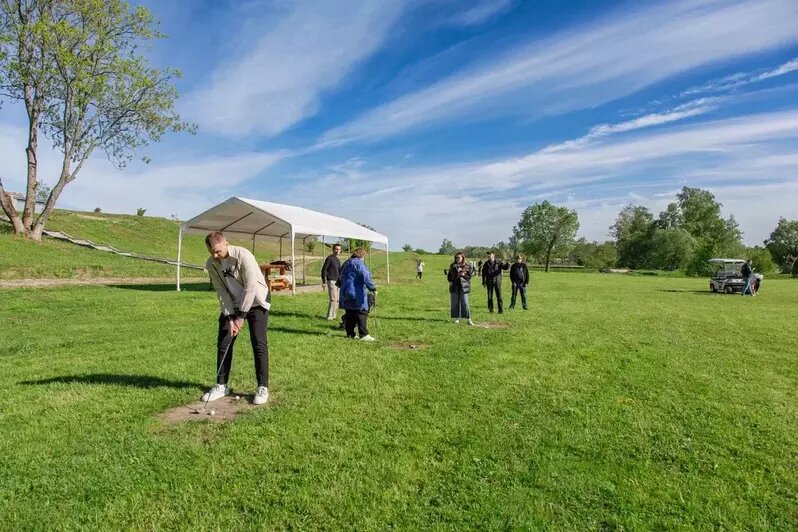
[(614, 402)]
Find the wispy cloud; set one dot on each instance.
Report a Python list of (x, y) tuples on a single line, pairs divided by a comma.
[(741, 79), (482, 11), (182, 187), (587, 66), (281, 77), (599, 176), (681, 112)]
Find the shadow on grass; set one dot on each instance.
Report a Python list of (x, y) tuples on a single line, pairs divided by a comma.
[(200, 286), (701, 292), (136, 381), (290, 330)]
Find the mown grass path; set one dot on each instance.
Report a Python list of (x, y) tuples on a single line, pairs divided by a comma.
[(614, 401)]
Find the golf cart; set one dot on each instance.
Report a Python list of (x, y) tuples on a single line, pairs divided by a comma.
[(728, 276)]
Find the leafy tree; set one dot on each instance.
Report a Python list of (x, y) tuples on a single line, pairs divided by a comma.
[(671, 249), (42, 192), (593, 254), (761, 260), (419, 251), (77, 68), (632, 232), (545, 230), (310, 244), (407, 248), (140, 211), (783, 245), (447, 248), (365, 244)]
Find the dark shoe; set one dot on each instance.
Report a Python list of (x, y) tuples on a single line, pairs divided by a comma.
[(512, 307), (490, 310), (501, 312)]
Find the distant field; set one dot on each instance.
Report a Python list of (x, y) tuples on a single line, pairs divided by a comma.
[(615, 402)]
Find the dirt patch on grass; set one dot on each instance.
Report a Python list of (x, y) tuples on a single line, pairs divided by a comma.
[(224, 409), (487, 325), (409, 346)]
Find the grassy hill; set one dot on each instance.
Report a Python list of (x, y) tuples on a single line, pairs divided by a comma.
[(147, 235)]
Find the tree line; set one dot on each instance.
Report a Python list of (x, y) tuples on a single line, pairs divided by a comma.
[(683, 237)]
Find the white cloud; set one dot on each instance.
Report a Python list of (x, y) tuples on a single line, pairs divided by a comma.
[(281, 77), (482, 11), (183, 188), (480, 202), (741, 79), (588, 66)]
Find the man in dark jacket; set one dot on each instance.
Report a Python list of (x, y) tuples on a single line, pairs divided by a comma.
[(492, 279), (519, 277), (746, 271), (329, 275)]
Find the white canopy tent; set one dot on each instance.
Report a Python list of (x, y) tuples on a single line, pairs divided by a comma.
[(248, 217)]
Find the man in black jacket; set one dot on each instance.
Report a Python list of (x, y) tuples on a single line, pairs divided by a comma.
[(492, 279), (329, 275), (519, 277)]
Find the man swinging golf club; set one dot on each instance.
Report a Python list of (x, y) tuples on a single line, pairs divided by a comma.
[(243, 295)]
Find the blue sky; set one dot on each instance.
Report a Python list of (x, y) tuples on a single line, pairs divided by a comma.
[(443, 118)]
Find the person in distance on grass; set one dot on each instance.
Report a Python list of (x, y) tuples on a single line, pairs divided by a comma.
[(243, 295), (329, 279), (459, 276), (355, 282), (746, 272), (492, 279), (419, 269), (519, 277)]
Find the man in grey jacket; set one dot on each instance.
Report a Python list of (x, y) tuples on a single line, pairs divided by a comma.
[(243, 295)]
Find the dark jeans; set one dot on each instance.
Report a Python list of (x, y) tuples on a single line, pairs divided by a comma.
[(497, 288), (519, 287), (356, 317), (258, 320)]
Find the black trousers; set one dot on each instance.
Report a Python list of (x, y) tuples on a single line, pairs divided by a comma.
[(497, 288), (359, 318), (519, 287), (258, 320)]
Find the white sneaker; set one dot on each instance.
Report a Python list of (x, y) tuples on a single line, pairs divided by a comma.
[(470, 322), (261, 395), (217, 392), (368, 338), (457, 321)]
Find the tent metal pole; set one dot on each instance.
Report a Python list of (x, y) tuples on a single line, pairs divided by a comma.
[(304, 282), (281, 248), (293, 264), (179, 250), (253, 243)]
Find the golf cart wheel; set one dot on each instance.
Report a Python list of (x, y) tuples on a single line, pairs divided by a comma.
[(729, 290), (712, 287)]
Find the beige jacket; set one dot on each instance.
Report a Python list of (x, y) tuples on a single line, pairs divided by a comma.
[(246, 272)]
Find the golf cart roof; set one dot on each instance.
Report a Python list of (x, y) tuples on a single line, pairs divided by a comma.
[(727, 261)]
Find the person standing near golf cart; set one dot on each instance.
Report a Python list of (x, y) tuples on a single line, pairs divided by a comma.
[(459, 276), (355, 282), (492, 279), (329, 278), (519, 277), (746, 271), (243, 295)]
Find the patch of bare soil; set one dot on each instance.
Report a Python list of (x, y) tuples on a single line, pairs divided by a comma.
[(487, 325), (224, 409), (408, 346)]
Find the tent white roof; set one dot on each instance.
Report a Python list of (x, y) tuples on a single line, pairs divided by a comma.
[(243, 216), (263, 218)]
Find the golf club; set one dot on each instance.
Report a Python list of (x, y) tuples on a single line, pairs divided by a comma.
[(218, 371)]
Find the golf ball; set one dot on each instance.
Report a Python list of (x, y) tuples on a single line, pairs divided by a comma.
[(412, 346), (213, 412), (238, 397)]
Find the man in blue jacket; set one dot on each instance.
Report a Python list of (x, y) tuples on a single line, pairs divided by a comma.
[(355, 281)]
